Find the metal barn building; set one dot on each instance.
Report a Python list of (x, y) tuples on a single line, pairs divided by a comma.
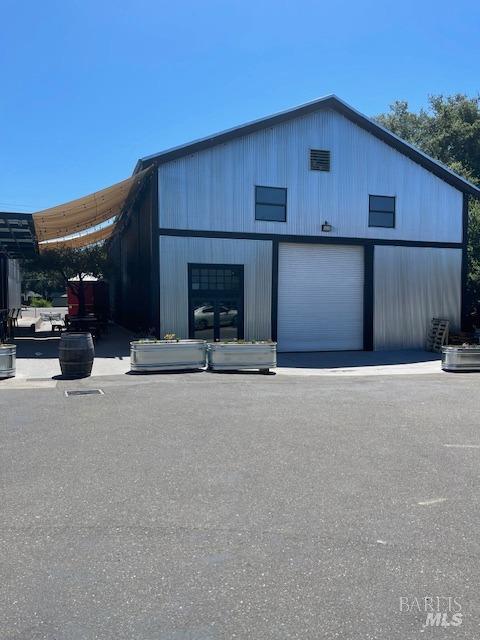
[(315, 227)]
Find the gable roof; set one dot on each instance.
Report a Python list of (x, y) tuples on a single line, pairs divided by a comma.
[(328, 102)]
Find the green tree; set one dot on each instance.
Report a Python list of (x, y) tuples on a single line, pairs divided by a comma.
[(42, 282), (72, 263), (448, 130), (405, 124)]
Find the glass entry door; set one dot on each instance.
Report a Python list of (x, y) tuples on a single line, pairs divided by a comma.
[(215, 301)]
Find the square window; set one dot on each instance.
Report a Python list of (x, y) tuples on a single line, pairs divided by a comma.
[(271, 204), (381, 211)]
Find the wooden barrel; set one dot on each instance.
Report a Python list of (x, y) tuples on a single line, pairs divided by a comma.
[(76, 354)]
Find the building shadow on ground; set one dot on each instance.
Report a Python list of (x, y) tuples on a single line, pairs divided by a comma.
[(350, 359), (44, 344)]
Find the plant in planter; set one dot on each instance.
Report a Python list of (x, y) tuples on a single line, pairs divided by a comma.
[(8, 356), (465, 357), (242, 354), (171, 353)]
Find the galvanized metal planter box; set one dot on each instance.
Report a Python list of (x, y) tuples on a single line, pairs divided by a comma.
[(461, 358), (165, 355), (228, 356), (8, 358)]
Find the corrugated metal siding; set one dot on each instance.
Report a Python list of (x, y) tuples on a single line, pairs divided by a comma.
[(133, 282), (413, 285), (14, 284), (320, 297), (214, 189), (175, 255)]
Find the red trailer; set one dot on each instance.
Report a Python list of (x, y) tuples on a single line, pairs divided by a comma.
[(96, 298)]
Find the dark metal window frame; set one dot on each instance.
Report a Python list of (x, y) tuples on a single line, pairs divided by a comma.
[(392, 213), (216, 294), (271, 204)]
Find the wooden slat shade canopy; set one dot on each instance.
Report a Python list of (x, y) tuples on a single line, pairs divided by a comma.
[(83, 213), (80, 241)]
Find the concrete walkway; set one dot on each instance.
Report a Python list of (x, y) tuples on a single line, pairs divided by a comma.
[(37, 354), (38, 365)]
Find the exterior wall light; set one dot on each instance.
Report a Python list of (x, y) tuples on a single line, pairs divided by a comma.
[(326, 227)]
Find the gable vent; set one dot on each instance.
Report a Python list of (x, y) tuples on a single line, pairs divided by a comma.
[(319, 160)]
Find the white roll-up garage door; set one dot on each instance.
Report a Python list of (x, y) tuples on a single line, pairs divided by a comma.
[(320, 297)]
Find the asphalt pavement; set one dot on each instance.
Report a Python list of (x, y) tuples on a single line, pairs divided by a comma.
[(204, 507)]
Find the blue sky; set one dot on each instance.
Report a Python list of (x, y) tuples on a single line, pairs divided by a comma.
[(89, 86)]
